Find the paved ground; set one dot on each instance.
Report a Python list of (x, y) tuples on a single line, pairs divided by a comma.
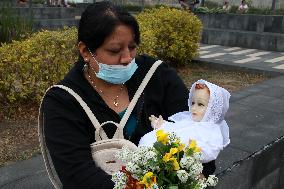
[(255, 116), (259, 60)]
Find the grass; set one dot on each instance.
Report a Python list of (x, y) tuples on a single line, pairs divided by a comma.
[(230, 79)]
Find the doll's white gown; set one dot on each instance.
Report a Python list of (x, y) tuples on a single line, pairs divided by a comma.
[(211, 133)]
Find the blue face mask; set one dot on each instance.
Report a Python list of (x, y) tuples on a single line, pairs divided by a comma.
[(115, 74)]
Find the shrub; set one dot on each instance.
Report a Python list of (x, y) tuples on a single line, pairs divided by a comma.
[(206, 10), (169, 34), (38, 1), (30, 66), (265, 11)]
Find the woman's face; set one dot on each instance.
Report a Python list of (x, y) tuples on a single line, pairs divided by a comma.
[(199, 104), (118, 49)]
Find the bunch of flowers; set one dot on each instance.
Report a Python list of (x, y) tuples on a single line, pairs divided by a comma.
[(169, 164)]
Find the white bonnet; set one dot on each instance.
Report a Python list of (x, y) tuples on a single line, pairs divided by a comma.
[(218, 103)]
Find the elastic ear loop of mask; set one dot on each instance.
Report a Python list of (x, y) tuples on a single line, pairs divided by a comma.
[(93, 57)]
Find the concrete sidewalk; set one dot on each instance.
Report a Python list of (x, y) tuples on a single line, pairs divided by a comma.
[(252, 59), (255, 116)]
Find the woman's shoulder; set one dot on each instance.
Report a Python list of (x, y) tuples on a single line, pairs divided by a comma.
[(145, 62), (57, 97), (73, 81)]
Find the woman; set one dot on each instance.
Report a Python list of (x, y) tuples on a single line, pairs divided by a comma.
[(106, 77)]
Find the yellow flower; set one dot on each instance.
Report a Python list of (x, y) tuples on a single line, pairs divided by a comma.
[(173, 151), (175, 164), (181, 147), (148, 180), (168, 156), (162, 136), (193, 146)]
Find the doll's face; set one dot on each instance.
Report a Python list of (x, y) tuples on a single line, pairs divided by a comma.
[(199, 104)]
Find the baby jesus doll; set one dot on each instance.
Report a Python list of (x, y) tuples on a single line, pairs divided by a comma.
[(204, 122)]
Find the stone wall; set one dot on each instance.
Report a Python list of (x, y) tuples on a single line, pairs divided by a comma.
[(248, 31), (262, 170), (51, 18)]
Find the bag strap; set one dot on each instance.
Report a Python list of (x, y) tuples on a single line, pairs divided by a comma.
[(119, 131), (45, 152), (99, 132)]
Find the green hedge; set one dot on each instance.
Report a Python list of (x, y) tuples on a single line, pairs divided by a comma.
[(170, 34), (29, 67)]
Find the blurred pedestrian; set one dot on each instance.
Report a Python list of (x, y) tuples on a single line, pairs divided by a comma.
[(193, 5), (226, 7), (243, 8), (184, 4), (22, 2)]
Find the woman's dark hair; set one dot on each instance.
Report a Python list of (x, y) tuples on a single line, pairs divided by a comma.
[(99, 20)]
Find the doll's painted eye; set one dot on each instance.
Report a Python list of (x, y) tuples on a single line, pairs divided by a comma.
[(200, 104), (192, 103)]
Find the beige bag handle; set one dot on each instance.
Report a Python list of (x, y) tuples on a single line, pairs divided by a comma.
[(45, 153), (100, 134), (119, 131)]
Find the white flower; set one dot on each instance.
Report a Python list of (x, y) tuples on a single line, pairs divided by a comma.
[(212, 180), (119, 179), (151, 155), (182, 175), (125, 155), (196, 169), (186, 162), (197, 156), (202, 184), (148, 155), (154, 186), (133, 168), (136, 158), (173, 137)]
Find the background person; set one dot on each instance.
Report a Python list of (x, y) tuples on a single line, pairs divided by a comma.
[(184, 4), (193, 5), (243, 8), (226, 7), (22, 2)]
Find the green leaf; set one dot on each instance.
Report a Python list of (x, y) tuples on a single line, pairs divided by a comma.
[(173, 187)]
